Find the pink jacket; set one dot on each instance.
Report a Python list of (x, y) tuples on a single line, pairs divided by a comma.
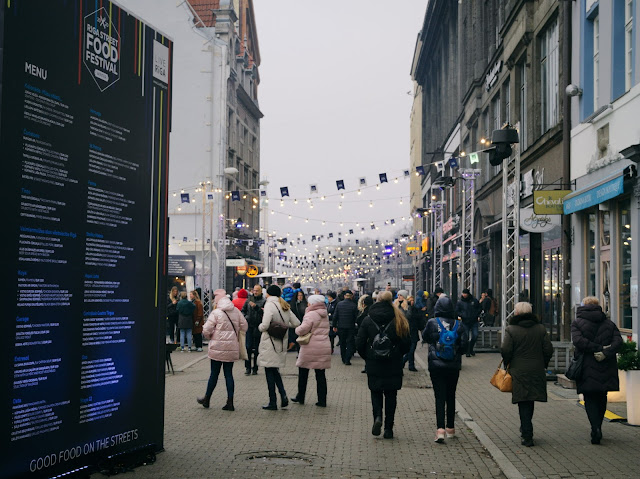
[(316, 354), (223, 339)]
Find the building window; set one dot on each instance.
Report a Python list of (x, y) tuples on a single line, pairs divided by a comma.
[(522, 104), (549, 76), (628, 44), (596, 62)]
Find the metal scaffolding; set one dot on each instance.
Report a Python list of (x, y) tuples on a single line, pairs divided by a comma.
[(510, 236), (438, 211), (467, 228)]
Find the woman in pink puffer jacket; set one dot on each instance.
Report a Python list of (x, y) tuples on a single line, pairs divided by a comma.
[(222, 330), (317, 353)]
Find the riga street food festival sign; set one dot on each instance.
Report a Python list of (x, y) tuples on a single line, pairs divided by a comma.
[(85, 116)]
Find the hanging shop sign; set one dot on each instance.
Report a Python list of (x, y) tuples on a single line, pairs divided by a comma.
[(492, 77), (533, 223), (549, 202), (236, 262), (527, 184), (252, 271), (425, 245), (241, 270)]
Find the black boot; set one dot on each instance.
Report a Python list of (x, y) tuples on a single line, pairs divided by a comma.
[(596, 435), (284, 402), (204, 401), (377, 426), (247, 371), (255, 371), (229, 405), (298, 399), (388, 433), (270, 407)]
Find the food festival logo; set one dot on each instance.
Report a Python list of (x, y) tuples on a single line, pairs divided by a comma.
[(101, 54)]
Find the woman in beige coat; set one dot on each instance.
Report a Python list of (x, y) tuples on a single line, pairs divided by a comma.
[(272, 352)]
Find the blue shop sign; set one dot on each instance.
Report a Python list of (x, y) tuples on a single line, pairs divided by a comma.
[(594, 196)]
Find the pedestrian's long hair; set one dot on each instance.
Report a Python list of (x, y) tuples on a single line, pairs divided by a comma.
[(284, 305), (402, 325)]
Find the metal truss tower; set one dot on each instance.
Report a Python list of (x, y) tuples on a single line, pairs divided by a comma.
[(438, 210), (510, 235), (469, 176)]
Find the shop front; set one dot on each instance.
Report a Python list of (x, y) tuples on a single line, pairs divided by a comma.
[(604, 219)]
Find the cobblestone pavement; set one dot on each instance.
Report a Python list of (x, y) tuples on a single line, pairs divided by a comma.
[(308, 441)]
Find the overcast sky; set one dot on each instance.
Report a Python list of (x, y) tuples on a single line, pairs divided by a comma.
[(335, 91)]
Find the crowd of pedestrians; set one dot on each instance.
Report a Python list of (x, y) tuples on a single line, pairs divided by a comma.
[(262, 326)]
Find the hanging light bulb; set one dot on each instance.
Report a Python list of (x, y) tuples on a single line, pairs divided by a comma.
[(359, 192), (273, 212), (295, 202), (339, 206), (289, 216), (401, 201), (308, 200), (378, 186), (370, 204), (281, 203), (342, 195), (395, 180), (174, 194), (306, 220)]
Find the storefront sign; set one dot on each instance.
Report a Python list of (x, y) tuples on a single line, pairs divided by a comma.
[(549, 202), (448, 226), (594, 196), (241, 270), (527, 184), (425, 245), (533, 223), (492, 76), (236, 262), (252, 271)]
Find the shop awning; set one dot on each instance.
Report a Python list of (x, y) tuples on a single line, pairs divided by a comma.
[(596, 193)]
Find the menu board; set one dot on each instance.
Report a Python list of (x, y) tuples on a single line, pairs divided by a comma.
[(85, 98)]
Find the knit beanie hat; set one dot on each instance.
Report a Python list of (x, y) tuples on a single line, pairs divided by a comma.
[(243, 293), (404, 293), (274, 290), (315, 299)]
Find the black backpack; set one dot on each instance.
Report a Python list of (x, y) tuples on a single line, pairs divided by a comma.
[(382, 347)]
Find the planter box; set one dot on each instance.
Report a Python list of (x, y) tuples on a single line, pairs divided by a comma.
[(633, 397)]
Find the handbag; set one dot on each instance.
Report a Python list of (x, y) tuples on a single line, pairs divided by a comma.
[(502, 380), (276, 329), (242, 340), (575, 367), (305, 338)]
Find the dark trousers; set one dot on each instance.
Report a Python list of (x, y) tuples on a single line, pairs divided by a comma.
[(347, 343), (390, 403), (472, 334), (173, 330), (525, 408), (411, 355), (252, 340), (274, 380), (321, 383), (444, 389), (213, 377), (197, 340), (595, 404)]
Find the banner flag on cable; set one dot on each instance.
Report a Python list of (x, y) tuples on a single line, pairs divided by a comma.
[(184, 198), (313, 189), (420, 170), (453, 162), (406, 173), (210, 197), (284, 191), (263, 192), (340, 184), (440, 166), (362, 181), (235, 196), (373, 226), (383, 178)]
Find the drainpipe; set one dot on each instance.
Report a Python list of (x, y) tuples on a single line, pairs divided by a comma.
[(565, 331)]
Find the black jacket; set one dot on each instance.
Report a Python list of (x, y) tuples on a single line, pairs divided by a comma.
[(433, 336), (382, 374), (172, 310), (254, 314), (331, 308), (345, 314), (413, 316), (590, 332), (468, 309), (363, 315), (298, 308)]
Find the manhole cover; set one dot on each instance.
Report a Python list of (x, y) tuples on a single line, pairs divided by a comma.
[(278, 458)]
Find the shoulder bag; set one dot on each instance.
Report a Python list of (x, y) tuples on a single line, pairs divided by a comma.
[(304, 339), (276, 329), (242, 340), (502, 380), (575, 366)]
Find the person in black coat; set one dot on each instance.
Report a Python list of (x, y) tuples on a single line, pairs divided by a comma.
[(331, 308), (172, 316), (444, 373), (468, 309), (343, 320), (253, 309), (298, 306), (384, 375), (413, 314), (598, 340)]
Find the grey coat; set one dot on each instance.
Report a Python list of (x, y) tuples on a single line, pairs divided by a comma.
[(527, 350)]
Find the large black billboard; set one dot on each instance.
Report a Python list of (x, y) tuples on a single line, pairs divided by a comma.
[(85, 97)]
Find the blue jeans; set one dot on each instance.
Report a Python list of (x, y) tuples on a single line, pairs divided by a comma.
[(410, 356), (228, 377), (472, 333), (188, 332)]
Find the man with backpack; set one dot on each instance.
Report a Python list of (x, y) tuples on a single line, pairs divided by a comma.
[(446, 338), (490, 308), (468, 309)]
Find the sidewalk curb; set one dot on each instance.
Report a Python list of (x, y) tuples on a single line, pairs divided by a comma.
[(190, 363), (505, 465)]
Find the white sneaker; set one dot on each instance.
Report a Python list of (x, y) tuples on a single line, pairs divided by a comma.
[(451, 433), (440, 436)]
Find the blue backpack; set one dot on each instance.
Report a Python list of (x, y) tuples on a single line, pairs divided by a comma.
[(446, 347)]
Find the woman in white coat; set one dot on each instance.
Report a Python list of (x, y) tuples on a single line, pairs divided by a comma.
[(272, 352)]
